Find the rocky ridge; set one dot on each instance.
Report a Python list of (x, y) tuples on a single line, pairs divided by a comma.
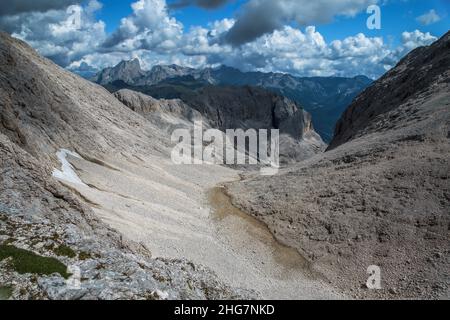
[(237, 108), (390, 103), (381, 194), (325, 97)]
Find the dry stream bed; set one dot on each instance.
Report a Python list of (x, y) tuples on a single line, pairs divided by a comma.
[(179, 212)]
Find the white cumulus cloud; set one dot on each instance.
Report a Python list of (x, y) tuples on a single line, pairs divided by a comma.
[(63, 35), (148, 27), (412, 40), (73, 37), (429, 18)]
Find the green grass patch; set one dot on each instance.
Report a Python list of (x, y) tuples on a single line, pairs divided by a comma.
[(5, 293), (64, 251), (84, 255), (9, 241), (24, 261)]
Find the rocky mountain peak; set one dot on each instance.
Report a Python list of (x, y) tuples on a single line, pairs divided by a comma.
[(133, 64), (127, 71), (324, 97)]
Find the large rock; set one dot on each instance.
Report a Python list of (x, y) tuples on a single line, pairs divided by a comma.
[(128, 71), (256, 108), (152, 109), (131, 73), (236, 108)]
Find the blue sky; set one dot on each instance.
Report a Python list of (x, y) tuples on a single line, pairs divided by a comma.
[(302, 37), (397, 16), (114, 10)]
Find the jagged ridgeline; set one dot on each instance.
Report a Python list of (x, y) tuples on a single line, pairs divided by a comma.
[(237, 108), (324, 97)]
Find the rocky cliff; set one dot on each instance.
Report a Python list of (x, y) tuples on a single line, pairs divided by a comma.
[(128, 71), (325, 97), (131, 73), (154, 109), (237, 108), (390, 103)]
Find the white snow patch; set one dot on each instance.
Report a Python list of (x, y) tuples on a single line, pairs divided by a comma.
[(67, 172)]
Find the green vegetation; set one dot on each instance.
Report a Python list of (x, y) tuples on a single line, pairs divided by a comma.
[(64, 251), (9, 241), (5, 293), (84, 255), (24, 261)]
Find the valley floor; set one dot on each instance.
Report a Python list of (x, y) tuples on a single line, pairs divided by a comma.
[(180, 212)]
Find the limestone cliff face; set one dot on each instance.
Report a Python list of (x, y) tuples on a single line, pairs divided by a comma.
[(149, 107), (237, 108), (257, 108), (324, 97), (131, 73), (44, 107), (128, 71)]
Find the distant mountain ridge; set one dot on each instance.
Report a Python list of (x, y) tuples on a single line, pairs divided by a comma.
[(234, 107), (324, 97)]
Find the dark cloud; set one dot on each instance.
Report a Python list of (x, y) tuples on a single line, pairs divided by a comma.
[(255, 21), (85, 70), (11, 7), (36, 22), (114, 39), (260, 17), (207, 4)]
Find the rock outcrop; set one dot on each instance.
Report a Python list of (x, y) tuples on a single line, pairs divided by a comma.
[(236, 108), (154, 109), (256, 108), (127, 71), (131, 73)]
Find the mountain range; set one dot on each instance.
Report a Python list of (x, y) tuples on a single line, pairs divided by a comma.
[(89, 194), (87, 181), (324, 97)]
